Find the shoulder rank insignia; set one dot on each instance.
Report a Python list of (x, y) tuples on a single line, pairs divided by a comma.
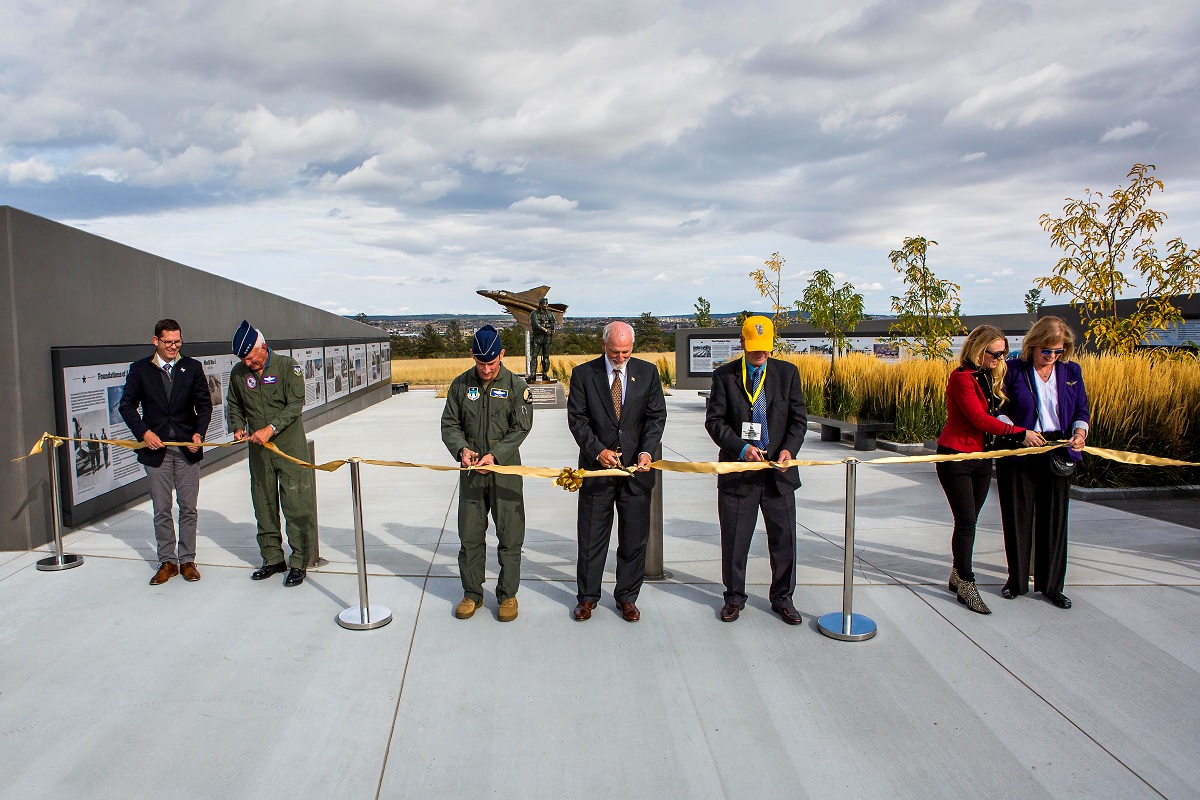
[(473, 393), (498, 393)]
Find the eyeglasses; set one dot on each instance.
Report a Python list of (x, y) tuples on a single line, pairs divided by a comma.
[(170, 344), (1058, 351), (996, 354)]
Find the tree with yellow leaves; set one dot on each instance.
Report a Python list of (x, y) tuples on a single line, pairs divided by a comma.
[(1098, 243), (771, 287)]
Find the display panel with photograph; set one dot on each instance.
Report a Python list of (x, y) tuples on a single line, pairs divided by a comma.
[(312, 364), (92, 397), (358, 367), (337, 372), (375, 370)]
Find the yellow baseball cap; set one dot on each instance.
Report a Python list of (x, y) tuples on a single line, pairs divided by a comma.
[(759, 334)]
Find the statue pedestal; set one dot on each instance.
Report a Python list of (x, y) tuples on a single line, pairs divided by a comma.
[(547, 394)]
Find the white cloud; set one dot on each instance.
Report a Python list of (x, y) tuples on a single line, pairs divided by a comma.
[(31, 170), (1134, 128), (969, 157), (554, 204), (1038, 96), (873, 286), (662, 277)]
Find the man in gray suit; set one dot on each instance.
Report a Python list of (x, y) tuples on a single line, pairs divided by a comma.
[(617, 413)]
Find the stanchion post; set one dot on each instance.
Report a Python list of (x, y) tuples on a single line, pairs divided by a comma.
[(654, 547), (529, 365), (848, 626), (59, 560), (315, 559), (364, 616)]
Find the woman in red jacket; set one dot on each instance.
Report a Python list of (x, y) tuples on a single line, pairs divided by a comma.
[(973, 397)]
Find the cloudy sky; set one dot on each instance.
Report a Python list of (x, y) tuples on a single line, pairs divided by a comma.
[(393, 157)]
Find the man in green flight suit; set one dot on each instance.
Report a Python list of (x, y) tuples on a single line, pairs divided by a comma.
[(488, 413), (541, 325), (266, 398)]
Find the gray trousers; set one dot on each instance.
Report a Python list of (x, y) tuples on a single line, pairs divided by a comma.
[(177, 476)]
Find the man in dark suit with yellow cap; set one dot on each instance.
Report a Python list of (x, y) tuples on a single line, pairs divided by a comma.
[(756, 413), (266, 399)]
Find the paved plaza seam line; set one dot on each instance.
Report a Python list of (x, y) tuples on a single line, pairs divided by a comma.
[(1004, 667), (387, 750)]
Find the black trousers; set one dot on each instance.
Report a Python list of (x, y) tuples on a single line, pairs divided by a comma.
[(598, 498), (738, 515), (966, 485), (1033, 509)]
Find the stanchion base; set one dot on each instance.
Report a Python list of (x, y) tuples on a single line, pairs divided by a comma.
[(376, 617), (861, 628), (53, 563), (664, 576)]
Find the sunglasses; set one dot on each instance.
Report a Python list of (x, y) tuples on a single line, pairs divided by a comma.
[(996, 354), (1053, 352)]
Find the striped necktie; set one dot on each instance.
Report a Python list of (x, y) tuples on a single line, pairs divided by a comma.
[(758, 412)]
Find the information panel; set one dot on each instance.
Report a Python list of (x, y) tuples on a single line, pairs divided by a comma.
[(358, 367), (337, 373)]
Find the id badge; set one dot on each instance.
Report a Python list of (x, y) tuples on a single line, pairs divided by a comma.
[(752, 431)]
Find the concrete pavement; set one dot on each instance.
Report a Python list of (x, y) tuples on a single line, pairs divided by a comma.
[(110, 688)]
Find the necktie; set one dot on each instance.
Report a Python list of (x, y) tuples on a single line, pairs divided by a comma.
[(758, 412), (616, 393), (167, 369)]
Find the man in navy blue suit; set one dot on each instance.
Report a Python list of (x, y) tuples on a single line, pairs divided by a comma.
[(617, 413), (172, 393)]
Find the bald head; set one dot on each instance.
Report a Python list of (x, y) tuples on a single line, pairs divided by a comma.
[(618, 342)]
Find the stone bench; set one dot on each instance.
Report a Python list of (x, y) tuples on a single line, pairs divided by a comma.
[(864, 430)]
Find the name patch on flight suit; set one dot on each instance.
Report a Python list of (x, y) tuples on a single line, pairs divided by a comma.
[(498, 393), (270, 378), (473, 393), (251, 382)]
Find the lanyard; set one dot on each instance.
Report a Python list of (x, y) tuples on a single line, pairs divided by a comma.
[(746, 381)]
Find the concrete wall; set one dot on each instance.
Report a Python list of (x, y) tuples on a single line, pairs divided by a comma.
[(63, 287)]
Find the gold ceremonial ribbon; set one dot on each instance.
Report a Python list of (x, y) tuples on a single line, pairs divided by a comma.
[(571, 479)]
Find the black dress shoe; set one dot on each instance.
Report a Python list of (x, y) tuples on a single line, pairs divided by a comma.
[(295, 577), (789, 615), (1007, 593), (267, 570), (1059, 599), (730, 612)]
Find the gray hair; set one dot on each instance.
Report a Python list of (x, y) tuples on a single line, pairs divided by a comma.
[(615, 326)]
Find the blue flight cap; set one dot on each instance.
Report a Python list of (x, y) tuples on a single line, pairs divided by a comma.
[(485, 345), (244, 339)]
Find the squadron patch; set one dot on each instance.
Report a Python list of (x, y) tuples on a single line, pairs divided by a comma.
[(473, 393), (296, 369), (498, 393), (270, 379), (528, 396), (251, 382)]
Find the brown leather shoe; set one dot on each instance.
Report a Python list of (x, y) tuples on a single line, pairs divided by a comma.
[(166, 571), (730, 612), (629, 612), (789, 614), (189, 572), (583, 611)]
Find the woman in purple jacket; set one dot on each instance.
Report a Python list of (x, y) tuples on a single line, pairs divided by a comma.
[(1046, 394)]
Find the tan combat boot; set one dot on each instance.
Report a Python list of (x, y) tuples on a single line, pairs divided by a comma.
[(466, 608), (508, 609)]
